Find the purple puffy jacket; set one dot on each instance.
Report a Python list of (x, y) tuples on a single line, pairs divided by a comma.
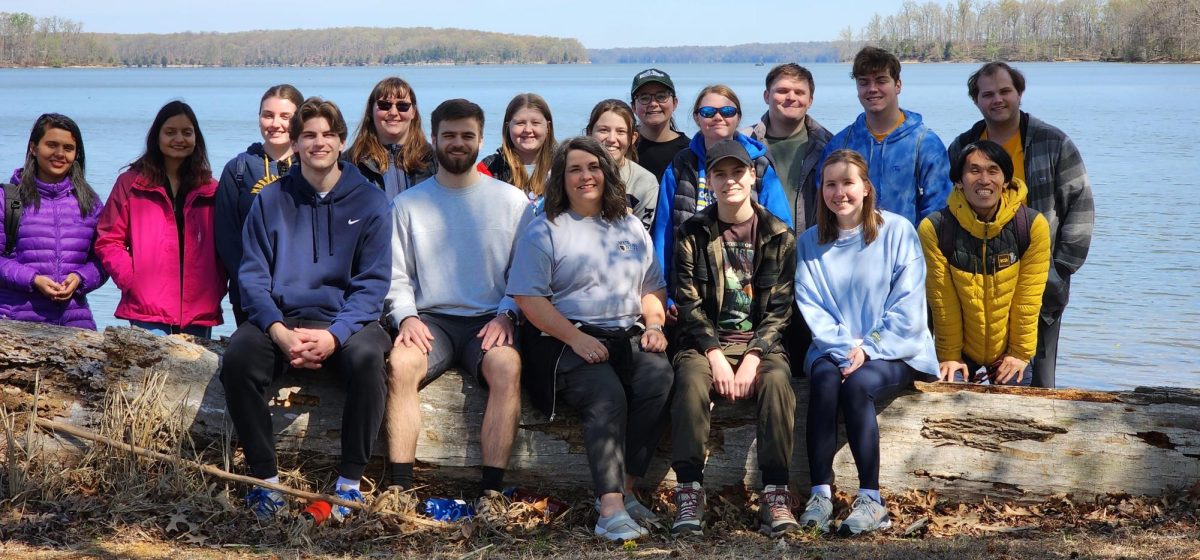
[(52, 240)]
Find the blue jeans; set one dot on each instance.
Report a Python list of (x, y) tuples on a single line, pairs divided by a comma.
[(163, 329)]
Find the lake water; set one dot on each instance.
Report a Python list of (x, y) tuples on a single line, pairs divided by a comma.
[(1134, 316)]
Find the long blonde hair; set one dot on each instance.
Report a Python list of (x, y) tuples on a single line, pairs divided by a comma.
[(545, 156)]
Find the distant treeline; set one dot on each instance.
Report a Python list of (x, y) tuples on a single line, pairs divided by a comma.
[(1124, 30), (767, 53), (52, 41)]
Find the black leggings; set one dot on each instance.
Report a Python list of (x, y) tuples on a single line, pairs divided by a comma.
[(856, 396)]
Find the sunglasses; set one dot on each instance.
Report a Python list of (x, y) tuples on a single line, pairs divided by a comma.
[(661, 97), (385, 106), (708, 112)]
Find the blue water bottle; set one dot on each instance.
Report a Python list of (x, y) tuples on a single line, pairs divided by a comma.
[(445, 509)]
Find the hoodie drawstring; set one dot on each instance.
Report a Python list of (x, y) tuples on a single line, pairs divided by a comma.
[(316, 247), (329, 226)]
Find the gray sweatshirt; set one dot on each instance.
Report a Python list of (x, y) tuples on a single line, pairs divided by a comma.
[(451, 248)]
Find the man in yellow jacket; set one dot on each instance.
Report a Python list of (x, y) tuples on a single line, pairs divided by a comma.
[(988, 256)]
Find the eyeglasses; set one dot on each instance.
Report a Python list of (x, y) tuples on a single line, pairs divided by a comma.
[(385, 106), (708, 112), (661, 97)]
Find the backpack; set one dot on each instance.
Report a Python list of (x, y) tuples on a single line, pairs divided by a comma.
[(948, 228), (12, 217)]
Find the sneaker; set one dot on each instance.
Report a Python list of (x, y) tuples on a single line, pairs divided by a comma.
[(492, 507), (865, 516), (817, 513), (638, 511), (265, 503), (619, 527), (635, 509), (341, 513), (689, 503), (775, 511)]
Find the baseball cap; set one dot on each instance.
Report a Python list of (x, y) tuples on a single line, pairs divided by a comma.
[(729, 148), (650, 75)]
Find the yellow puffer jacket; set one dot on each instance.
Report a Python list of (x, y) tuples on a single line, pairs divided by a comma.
[(986, 306)]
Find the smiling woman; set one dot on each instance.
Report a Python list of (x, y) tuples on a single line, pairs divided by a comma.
[(390, 148), (166, 267), (526, 147)]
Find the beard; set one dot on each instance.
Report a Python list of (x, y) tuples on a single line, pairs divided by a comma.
[(457, 163)]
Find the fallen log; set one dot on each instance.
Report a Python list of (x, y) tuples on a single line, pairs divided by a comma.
[(967, 442)]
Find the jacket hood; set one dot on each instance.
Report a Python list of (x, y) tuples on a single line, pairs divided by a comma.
[(351, 180), (912, 121), (753, 147), (141, 182), (1010, 200)]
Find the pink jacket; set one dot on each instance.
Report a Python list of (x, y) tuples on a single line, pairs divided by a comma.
[(138, 243)]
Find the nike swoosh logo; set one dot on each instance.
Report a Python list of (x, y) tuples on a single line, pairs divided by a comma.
[(352, 222)]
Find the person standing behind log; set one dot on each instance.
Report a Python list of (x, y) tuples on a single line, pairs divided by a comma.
[(612, 124), (1051, 166), (156, 233), (389, 147), (451, 249), (733, 269), (47, 265), (313, 277), (860, 286), (526, 145), (987, 256), (654, 103), (584, 275), (245, 176)]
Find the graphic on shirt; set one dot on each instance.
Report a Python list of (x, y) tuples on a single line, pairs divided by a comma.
[(739, 290)]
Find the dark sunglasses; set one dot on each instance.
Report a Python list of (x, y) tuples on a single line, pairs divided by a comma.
[(708, 112), (384, 105)]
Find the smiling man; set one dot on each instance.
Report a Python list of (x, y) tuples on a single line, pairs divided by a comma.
[(793, 138), (314, 272), (1052, 169), (906, 161), (453, 242)]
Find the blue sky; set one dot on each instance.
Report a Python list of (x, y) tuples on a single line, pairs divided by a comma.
[(616, 23)]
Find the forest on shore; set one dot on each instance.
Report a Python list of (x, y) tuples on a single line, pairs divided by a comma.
[(950, 30), (26, 40)]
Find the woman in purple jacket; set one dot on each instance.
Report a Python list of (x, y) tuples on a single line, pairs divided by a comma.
[(50, 267)]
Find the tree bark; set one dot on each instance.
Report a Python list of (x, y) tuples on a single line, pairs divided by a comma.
[(967, 442)]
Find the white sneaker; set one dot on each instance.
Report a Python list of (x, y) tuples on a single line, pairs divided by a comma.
[(865, 516), (619, 527), (817, 513)]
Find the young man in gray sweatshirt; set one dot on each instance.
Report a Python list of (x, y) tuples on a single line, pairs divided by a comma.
[(453, 238)]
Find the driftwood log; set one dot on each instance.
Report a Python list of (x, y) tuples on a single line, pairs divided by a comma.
[(967, 442)]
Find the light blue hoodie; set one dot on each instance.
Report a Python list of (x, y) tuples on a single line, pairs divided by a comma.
[(873, 295), (911, 188)]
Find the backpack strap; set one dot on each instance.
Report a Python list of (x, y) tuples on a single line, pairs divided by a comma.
[(1022, 222), (12, 217), (917, 165), (947, 231)]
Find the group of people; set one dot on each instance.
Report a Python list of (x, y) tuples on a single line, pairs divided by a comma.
[(632, 274)]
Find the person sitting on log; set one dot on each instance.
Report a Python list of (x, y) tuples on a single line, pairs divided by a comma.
[(453, 240), (47, 265), (987, 256), (860, 286), (584, 275), (733, 269), (314, 272)]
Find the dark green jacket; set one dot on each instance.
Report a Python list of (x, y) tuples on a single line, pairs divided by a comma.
[(698, 281)]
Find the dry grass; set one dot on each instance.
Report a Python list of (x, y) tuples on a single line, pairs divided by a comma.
[(113, 504)]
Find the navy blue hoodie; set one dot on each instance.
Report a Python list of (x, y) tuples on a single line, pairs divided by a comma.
[(323, 259)]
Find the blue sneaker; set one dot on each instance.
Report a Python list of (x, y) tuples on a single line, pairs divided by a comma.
[(340, 513), (265, 503)]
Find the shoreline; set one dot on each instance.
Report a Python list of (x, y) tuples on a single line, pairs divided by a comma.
[(544, 63)]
